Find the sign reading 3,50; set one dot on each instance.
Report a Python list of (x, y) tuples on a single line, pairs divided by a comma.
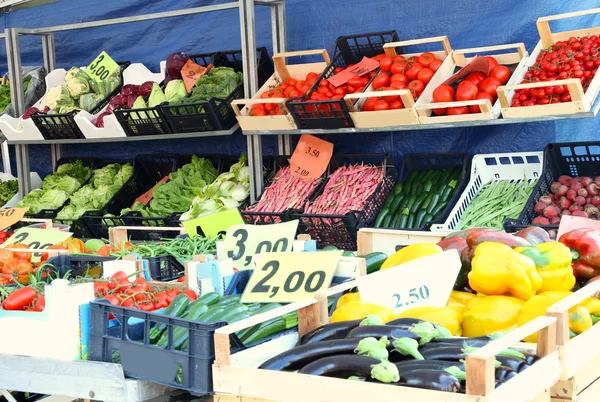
[(414, 295)]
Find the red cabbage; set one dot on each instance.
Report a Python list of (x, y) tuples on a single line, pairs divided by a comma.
[(175, 63), (145, 89)]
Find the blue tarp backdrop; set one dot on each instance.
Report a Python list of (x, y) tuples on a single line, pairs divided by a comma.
[(310, 24)]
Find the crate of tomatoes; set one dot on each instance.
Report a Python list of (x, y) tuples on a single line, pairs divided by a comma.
[(323, 106), (559, 77), (465, 89), (390, 98), (267, 110)]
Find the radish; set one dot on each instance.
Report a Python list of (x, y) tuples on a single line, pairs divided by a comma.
[(540, 220), (539, 207), (555, 186), (592, 189), (564, 203), (562, 191), (545, 199), (580, 214), (597, 181), (571, 194), (564, 179), (579, 200), (576, 186), (582, 192), (555, 221), (551, 211), (565, 212), (585, 181), (592, 212), (596, 200), (574, 208)]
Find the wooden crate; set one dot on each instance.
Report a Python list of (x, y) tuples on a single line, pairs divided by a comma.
[(282, 72), (580, 356), (400, 117), (235, 375), (580, 102), (387, 240), (516, 59)]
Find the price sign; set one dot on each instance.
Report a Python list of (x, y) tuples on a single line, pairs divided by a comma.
[(311, 157), (242, 242), (215, 224), (36, 239), (427, 281), (147, 196), (568, 223), (365, 66), (10, 216), (288, 277), (191, 72), (102, 67)]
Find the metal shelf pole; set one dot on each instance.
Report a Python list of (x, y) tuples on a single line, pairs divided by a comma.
[(279, 46)]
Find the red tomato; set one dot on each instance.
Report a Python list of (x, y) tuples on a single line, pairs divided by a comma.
[(142, 283), (127, 302), (381, 81), (20, 255), (476, 77), (426, 59), (146, 306), (398, 58), (489, 85), (324, 83), (101, 288), (501, 73), (369, 104), (399, 78), (171, 294), (492, 62), (443, 93), (413, 71), (40, 304), (160, 300), (392, 98), (357, 81), (254, 112), (20, 298), (381, 105), (481, 95), (17, 270), (458, 110), (425, 75), (190, 294), (112, 299), (466, 91), (398, 68), (385, 63), (338, 70), (5, 255), (181, 279), (434, 65), (417, 87), (396, 105)]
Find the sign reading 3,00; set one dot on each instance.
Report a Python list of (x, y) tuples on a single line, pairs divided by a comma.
[(243, 242)]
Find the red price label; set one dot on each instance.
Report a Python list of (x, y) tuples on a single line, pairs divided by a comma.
[(147, 196), (365, 66), (191, 72), (311, 157)]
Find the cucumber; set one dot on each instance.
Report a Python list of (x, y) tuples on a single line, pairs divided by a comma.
[(212, 313), (434, 201), (411, 221), (427, 186), (398, 189), (382, 214), (427, 218), (419, 219), (231, 299), (427, 201), (417, 205), (387, 221), (374, 261), (176, 309), (448, 190), (411, 200), (416, 189), (406, 189), (396, 204), (180, 334), (403, 218), (231, 311), (267, 307), (210, 298), (439, 209)]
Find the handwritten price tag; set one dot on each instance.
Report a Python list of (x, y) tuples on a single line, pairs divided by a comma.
[(365, 66), (102, 67), (36, 239), (191, 72), (147, 196), (311, 157), (215, 224), (242, 242), (427, 281), (10, 216), (568, 223), (288, 277)]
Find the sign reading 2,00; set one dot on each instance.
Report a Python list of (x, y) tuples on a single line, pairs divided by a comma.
[(294, 282)]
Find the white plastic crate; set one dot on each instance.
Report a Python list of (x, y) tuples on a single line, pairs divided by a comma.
[(487, 168)]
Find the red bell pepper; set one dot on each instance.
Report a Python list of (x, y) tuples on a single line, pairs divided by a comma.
[(585, 251), (534, 235)]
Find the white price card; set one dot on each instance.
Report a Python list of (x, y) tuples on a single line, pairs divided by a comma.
[(569, 223), (427, 281)]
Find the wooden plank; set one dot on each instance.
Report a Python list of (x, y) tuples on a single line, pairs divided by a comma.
[(386, 240)]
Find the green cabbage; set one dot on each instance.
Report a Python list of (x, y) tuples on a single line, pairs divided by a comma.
[(175, 91), (67, 184), (156, 96), (89, 101)]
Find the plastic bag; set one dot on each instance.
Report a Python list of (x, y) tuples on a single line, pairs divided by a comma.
[(35, 90)]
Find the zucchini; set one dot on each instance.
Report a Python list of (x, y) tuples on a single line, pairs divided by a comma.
[(272, 327), (176, 309), (427, 218), (210, 298), (446, 176), (253, 307), (395, 222), (180, 334), (230, 299), (427, 186), (347, 253), (448, 190), (396, 204), (398, 189), (242, 334), (387, 221), (439, 209), (434, 201), (406, 188), (411, 221), (410, 178), (212, 313), (417, 205), (419, 219), (430, 173), (238, 317), (388, 201), (382, 214), (374, 261), (427, 201), (411, 200), (403, 219), (416, 189), (231, 311)]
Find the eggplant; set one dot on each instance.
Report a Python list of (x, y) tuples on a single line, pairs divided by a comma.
[(379, 331), (504, 373), (514, 363), (442, 352), (530, 358), (341, 366), (437, 380), (428, 364), (478, 343), (336, 330), (404, 322)]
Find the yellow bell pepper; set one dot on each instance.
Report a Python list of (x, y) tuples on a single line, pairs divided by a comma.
[(592, 305), (347, 298), (462, 297), (490, 314), (553, 264), (444, 316), (579, 319), (410, 253), (537, 306), (358, 310), (497, 270), (456, 306)]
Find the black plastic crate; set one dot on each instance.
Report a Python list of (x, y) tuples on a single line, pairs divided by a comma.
[(139, 122), (341, 230), (438, 161), (63, 126), (165, 268), (216, 113), (331, 114), (576, 159), (90, 266)]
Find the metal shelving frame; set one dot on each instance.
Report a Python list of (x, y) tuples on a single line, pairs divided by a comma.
[(97, 380)]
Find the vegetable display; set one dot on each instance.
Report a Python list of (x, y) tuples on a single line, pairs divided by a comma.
[(174, 92), (219, 82), (288, 89), (8, 189), (56, 188), (495, 202), (105, 183), (126, 98), (5, 93), (422, 198), (572, 58)]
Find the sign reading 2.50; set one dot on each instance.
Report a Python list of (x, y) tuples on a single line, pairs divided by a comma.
[(287, 277), (242, 242), (414, 295)]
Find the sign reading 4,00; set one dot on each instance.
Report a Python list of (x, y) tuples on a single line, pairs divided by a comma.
[(242, 242), (414, 295), (287, 277)]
